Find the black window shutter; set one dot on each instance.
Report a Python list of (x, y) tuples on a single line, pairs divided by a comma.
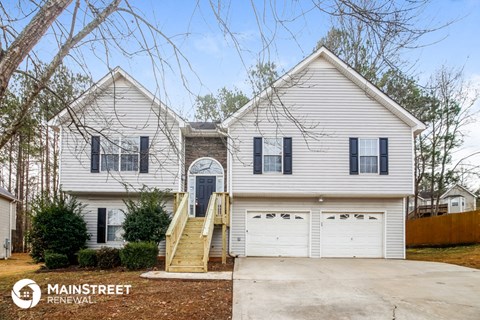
[(383, 155), (144, 146), (101, 225), (257, 155), (353, 155), (95, 157), (287, 155)]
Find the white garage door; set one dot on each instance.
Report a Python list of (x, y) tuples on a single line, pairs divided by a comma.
[(275, 234), (352, 235)]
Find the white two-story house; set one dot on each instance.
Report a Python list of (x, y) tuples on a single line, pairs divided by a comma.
[(318, 165)]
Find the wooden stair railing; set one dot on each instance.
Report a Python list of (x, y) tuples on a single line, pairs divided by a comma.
[(175, 230), (207, 230)]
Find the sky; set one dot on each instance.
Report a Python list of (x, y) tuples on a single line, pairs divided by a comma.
[(210, 59)]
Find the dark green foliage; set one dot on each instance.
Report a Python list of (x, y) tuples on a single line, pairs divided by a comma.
[(58, 226), (139, 255), (221, 106), (55, 260), (87, 258), (108, 258), (146, 219)]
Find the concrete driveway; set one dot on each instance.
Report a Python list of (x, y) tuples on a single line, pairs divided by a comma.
[(290, 288)]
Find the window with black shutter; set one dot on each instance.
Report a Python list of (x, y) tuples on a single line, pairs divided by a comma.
[(383, 155), (257, 155), (95, 155), (101, 225), (287, 155), (353, 155), (144, 154)]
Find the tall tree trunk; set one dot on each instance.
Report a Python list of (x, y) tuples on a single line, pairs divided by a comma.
[(55, 162), (19, 192), (10, 164), (47, 160)]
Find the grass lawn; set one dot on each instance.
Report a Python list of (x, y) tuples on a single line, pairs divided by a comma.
[(467, 256), (148, 299)]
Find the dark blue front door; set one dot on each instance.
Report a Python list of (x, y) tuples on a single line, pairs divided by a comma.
[(204, 187)]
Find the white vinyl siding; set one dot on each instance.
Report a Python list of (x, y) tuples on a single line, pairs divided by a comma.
[(130, 115), (6, 210), (392, 208), (332, 109)]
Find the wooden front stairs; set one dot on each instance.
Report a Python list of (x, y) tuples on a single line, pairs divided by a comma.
[(188, 239), (189, 254)]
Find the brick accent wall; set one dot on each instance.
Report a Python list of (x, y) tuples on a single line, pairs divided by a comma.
[(199, 147)]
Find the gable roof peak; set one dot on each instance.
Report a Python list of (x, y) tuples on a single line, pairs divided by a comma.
[(370, 89), (110, 77)]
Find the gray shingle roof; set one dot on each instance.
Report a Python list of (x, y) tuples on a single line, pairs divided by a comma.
[(5, 194), (203, 125)]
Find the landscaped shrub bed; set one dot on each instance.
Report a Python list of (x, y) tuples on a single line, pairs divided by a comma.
[(87, 258), (139, 255), (55, 260), (108, 258)]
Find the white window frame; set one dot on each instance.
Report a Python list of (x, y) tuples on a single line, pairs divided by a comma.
[(117, 142), (264, 154), (116, 210), (377, 148)]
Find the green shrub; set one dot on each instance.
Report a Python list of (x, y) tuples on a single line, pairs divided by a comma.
[(139, 255), (55, 260), (108, 258), (146, 218), (87, 258), (57, 226)]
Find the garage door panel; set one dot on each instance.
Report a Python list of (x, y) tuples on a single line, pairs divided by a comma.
[(352, 235), (278, 234)]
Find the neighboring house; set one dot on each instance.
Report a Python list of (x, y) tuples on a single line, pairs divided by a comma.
[(459, 199), (454, 200), (7, 222), (319, 165)]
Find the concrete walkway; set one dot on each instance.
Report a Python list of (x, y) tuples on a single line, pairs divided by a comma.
[(225, 275), (289, 288)]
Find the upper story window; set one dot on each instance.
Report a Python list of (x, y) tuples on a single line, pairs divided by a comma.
[(129, 154), (120, 154), (272, 154), (368, 154)]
